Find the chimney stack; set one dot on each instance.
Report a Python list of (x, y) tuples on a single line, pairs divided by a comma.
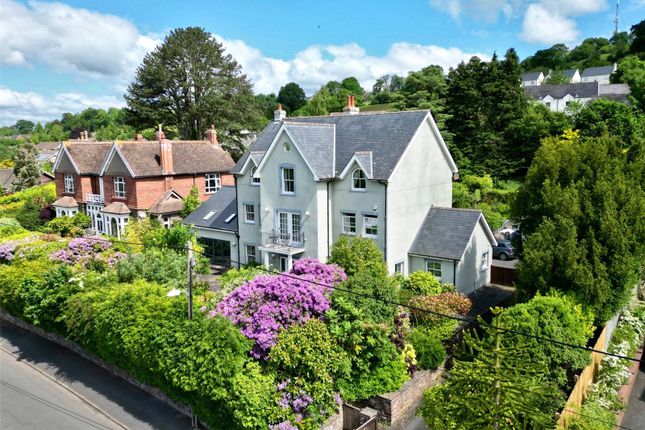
[(351, 106), (165, 152), (211, 135), (279, 114)]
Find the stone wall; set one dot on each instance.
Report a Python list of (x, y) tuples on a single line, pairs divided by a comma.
[(398, 407)]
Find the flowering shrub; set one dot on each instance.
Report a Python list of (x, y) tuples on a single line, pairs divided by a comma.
[(87, 251), (444, 303), (6, 252), (264, 306), (313, 270)]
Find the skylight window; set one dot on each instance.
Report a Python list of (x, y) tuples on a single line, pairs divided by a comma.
[(209, 215), (230, 218)]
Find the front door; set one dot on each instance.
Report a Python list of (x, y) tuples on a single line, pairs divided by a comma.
[(283, 264)]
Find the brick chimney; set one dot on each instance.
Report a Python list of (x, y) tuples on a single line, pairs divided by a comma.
[(211, 135), (279, 114), (165, 152), (351, 106)]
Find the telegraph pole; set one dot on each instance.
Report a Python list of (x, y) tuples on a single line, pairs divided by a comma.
[(191, 264)]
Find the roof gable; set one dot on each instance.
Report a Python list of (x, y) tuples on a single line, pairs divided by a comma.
[(64, 162), (284, 131), (446, 232)]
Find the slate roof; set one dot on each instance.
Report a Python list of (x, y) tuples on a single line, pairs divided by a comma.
[(445, 232), (224, 204), (7, 178), (316, 141), (569, 73), (597, 71), (66, 202), (579, 90), (530, 76), (385, 134), (88, 156)]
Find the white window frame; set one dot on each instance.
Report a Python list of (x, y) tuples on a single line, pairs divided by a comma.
[(213, 182), (358, 176), (434, 267), (254, 180), (69, 184), (399, 267), (251, 257), (289, 227), (249, 213), (284, 180), (346, 217), (485, 262), (372, 224), (119, 187)]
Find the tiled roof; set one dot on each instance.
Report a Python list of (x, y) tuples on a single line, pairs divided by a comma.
[(579, 90), (88, 156), (170, 202), (597, 71), (385, 134), (66, 202), (445, 232), (214, 212), (118, 208), (7, 179), (530, 76)]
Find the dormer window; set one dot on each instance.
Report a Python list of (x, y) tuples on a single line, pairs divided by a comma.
[(254, 180), (69, 184), (359, 180), (213, 183), (119, 187)]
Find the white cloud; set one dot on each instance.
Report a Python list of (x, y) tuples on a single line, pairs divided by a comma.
[(316, 65), (68, 39), (15, 105), (487, 10), (551, 21)]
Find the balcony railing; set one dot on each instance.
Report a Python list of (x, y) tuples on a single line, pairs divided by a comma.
[(94, 198), (282, 239)]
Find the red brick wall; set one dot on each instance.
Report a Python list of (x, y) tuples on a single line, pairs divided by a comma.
[(82, 186), (130, 191)]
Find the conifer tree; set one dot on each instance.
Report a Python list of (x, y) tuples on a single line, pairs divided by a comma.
[(25, 167)]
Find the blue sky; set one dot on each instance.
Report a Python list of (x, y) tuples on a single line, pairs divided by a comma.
[(66, 56)]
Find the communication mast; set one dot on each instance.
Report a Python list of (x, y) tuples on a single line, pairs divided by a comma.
[(617, 18)]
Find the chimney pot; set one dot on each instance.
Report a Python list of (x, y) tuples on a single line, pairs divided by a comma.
[(211, 135), (160, 134), (351, 106)]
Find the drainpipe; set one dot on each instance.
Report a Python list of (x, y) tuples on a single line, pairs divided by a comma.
[(237, 232), (454, 272), (328, 222), (384, 221)]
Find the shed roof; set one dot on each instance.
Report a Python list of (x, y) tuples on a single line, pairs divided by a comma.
[(446, 232), (214, 212)]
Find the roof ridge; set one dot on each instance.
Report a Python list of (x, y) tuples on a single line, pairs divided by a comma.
[(310, 124), (458, 209), (368, 113)]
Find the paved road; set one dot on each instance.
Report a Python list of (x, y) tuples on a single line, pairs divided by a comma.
[(30, 400), (26, 398), (635, 413)]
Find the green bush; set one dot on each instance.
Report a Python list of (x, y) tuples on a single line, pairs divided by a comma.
[(16, 277), (70, 226), (355, 254), (308, 360), (423, 283), (254, 398), (556, 318), (377, 367), (233, 278), (593, 416), (430, 352), (166, 267)]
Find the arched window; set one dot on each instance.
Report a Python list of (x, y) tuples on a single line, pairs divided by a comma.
[(254, 180), (359, 180)]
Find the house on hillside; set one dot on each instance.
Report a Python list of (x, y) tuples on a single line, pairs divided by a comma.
[(47, 152), (559, 97), (573, 75), (598, 74), (113, 181), (306, 181), (531, 79)]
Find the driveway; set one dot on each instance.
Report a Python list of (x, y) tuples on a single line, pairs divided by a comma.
[(63, 390)]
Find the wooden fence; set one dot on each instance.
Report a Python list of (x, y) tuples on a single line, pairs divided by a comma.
[(585, 379)]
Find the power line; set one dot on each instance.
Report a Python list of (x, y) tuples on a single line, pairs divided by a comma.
[(468, 321)]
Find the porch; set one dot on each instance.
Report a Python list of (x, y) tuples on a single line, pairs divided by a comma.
[(279, 249)]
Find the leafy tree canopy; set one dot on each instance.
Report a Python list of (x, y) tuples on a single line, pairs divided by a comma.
[(292, 97)]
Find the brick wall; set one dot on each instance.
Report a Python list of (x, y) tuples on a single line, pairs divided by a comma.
[(82, 186)]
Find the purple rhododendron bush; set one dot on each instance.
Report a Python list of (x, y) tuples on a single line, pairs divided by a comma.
[(270, 303)]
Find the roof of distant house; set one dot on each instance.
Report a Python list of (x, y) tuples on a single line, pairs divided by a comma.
[(446, 232), (328, 143), (598, 71), (7, 178), (569, 73), (578, 90), (219, 212), (530, 76)]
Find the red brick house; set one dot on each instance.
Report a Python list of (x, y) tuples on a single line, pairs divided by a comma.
[(112, 181)]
